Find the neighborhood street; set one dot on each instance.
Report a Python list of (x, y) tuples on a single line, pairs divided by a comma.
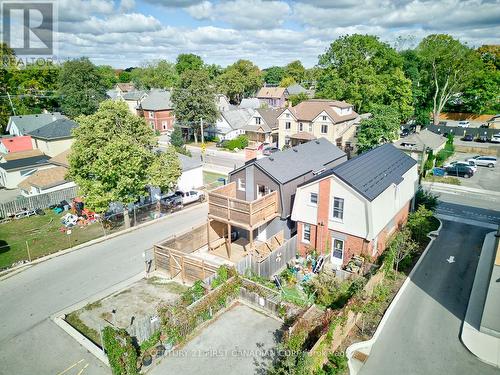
[(30, 343), (422, 333)]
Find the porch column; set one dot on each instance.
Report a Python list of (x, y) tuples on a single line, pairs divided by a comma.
[(250, 238), (228, 243), (208, 234)]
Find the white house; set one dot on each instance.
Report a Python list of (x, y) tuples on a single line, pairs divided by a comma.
[(230, 124), (192, 173), (22, 125), (18, 166)]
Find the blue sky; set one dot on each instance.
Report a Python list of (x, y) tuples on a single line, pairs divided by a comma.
[(126, 33)]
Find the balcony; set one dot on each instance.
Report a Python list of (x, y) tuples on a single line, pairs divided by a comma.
[(224, 206)]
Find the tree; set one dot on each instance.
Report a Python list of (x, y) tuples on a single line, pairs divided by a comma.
[(382, 127), (365, 72), (188, 61), (108, 76), (298, 98), (81, 87), (287, 81), (176, 138), (448, 65), (402, 246), (214, 71), (155, 74), (124, 76), (295, 70), (490, 55), (419, 223), (112, 157), (242, 79), (194, 99), (274, 75)]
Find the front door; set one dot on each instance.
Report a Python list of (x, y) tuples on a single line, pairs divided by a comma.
[(262, 190), (337, 253)]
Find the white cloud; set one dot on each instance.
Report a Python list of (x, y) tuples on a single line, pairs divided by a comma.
[(120, 23), (127, 5)]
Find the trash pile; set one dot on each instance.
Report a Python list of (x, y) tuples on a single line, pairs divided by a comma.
[(79, 215), (305, 268), (355, 264)]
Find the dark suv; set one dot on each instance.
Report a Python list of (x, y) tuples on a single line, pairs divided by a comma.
[(459, 170)]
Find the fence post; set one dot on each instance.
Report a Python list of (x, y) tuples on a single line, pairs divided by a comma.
[(135, 217), (28, 249)]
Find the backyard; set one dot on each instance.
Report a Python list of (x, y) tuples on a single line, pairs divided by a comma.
[(210, 179)]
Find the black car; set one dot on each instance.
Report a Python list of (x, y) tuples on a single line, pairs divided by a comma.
[(459, 170), (405, 133), (468, 138), (484, 126), (442, 123), (482, 139), (172, 202)]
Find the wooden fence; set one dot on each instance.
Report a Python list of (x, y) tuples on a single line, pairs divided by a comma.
[(41, 201), (276, 260)]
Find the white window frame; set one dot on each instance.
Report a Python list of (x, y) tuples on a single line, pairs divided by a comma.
[(304, 239), (335, 260), (288, 125), (334, 210), (310, 128), (301, 127), (324, 118), (241, 185), (257, 120), (311, 202), (324, 126), (151, 114)]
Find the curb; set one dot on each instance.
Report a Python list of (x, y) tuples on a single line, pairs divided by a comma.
[(58, 318), (459, 188), (213, 168), (15, 270), (367, 345)]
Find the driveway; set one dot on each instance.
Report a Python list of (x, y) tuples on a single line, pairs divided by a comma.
[(422, 334), (30, 342), (238, 342), (484, 178)]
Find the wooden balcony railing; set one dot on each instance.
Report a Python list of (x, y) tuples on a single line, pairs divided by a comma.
[(224, 206)]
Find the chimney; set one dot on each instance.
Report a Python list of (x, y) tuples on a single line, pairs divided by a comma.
[(250, 153), (418, 128)]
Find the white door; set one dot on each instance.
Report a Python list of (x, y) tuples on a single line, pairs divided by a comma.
[(337, 253)]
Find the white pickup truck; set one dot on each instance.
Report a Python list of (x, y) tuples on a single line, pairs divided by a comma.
[(191, 196)]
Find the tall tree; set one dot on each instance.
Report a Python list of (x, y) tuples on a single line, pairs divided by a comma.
[(6, 73), (81, 87), (155, 74), (108, 76), (274, 75), (188, 61), (194, 100), (381, 128), (246, 73), (449, 66), (365, 72), (124, 76), (490, 54), (112, 159), (214, 71), (287, 81), (295, 70)]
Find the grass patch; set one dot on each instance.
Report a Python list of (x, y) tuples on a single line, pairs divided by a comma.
[(93, 305), (210, 178), (42, 235), (74, 320), (169, 285), (443, 180)]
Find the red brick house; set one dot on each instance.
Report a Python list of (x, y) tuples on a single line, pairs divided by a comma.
[(157, 109), (353, 208)]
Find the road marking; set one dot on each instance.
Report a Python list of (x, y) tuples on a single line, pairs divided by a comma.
[(70, 367), (467, 221), (84, 367), (451, 259)]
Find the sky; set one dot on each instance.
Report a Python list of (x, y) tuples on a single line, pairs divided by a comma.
[(125, 33)]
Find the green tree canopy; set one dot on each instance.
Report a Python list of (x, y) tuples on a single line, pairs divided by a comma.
[(194, 99), (365, 72), (273, 75), (155, 74), (242, 79), (448, 67), (295, 70), (124, 76), (112, 159), (188, 61), (287, 81), (298, 98), (382, 127), (81, 87), (108, 76)]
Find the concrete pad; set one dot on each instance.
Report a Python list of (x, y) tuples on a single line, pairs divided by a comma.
[(238, 342)]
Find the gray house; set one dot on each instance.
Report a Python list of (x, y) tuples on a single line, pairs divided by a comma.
[(282, 172)]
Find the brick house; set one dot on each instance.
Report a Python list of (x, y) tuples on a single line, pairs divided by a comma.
[(353, 208), (158, 110)]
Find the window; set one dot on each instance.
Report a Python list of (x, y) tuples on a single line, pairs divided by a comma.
[(310, 128), (151, 114), (324, 118), (314, 198), (288, 125), (301, 127), (287, 115), (152, 124), (306, 233), (241, 184), (324, 129), (164, 125), (257, 120), (338, 208), (338, 249)]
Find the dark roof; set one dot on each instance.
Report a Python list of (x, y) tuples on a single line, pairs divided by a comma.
[(374, 171), (297, 161), (61, 128), (270, 116), (34, 161)]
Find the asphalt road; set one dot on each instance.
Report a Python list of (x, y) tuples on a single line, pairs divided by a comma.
[(422, 333), (223, 159), (30, 343)]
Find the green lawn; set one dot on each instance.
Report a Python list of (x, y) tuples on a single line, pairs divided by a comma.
[(42, 235), (210, 179)]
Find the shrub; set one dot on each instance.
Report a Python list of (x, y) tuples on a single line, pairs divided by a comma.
[(419, 223), (240, 143), (337, 364), (121, 353), (426, 199), (194, 293)]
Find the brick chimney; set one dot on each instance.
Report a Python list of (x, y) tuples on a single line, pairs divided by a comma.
[(250, 153)]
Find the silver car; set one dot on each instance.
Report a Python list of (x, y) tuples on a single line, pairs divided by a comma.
[(484, 161)]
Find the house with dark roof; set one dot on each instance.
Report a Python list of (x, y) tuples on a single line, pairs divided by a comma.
[(24, 124), (18, 166), (332, 119), (263, 125), (55, 137), (258, 199), (158, 110), (423, 140), (354, 208), (296, 89)]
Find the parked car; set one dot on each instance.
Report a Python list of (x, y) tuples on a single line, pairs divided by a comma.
[(172, 202), (459, 171), (405, 133), (482, 139), (468, 138), (270, 150), (190, 196), (471, 164), (485, 126), (495, 138), (442, 123), (463, 124), (484, 161), (222, 143)]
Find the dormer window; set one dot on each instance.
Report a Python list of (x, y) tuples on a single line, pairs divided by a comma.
[(257, 120), (324, 118)]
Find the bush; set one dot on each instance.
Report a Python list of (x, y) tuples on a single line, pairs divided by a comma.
[(337, 364), (194, 293), (240, 143), (121, 353), (419, 223), (426, 199)]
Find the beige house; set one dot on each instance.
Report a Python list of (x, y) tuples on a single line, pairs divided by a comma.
[(54, 138), (316, 118), (263, 126)]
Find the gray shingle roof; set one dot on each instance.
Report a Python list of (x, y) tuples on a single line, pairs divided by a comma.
[(250, 103), (34, 161), (157, 100), (419, 140), (28, 123), (61, 128), (270, 116), (374, 171), (238, 118), (189, 162), (296, 89), (297, 161), (134, 95)]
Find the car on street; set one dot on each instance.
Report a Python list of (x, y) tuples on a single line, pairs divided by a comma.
[(471, 164), (172, 202), (459, 170), (484, 161), (190, 196), (495, 138), (463, 124), (482, 139), (405, 133), (485, 126), (270, 150), (468, 138)]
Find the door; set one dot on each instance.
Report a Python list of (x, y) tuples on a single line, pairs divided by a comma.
[(262, 190), (337, 253)]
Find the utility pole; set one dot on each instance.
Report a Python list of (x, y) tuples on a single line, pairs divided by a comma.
[(11, 105), (202, 136)]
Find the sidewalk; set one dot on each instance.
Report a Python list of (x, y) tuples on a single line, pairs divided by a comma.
[(482, 300)]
